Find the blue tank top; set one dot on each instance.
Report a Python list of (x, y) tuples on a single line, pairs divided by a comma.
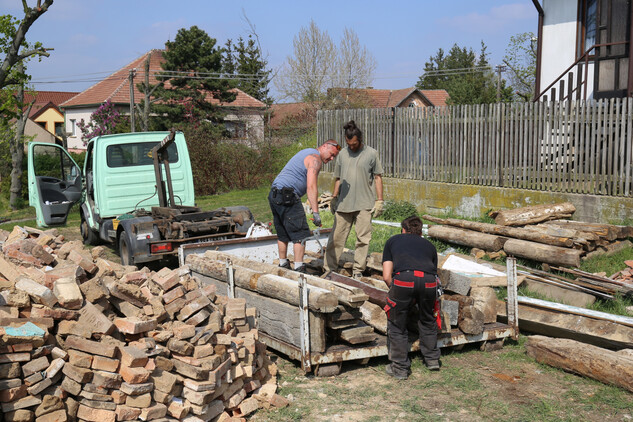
[(295, 174)]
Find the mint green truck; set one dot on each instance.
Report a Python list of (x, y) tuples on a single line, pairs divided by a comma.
[(136, 191)]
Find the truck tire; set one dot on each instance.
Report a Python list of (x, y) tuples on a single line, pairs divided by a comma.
[(87, 234), (124, 250)]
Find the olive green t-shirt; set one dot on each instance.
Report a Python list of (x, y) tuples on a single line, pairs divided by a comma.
[(356, 171)]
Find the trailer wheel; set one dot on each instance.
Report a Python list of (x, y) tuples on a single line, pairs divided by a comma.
[(87, 234), (124, 250)]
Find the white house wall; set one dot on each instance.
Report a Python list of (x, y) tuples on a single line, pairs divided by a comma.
[(559, 42), (76, 141)]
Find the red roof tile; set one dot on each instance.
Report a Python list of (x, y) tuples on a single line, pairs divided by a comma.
[(381, 98), (281, 112), (116, 87)]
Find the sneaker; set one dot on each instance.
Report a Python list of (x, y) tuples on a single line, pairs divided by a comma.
[(302, 269), (286, 265), (391, 373), (357, 276), (433, 365)]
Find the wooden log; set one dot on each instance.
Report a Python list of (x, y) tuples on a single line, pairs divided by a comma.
[(607, 231), (277, 287), (346, 294), (534, 214), (608, 334), (583, 359), (517, 233), (278, 319), (468, 238), (357, 335), (610, 249), (374, 316), (543, 253), (565, 295)]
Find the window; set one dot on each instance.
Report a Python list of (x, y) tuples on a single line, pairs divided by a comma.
[(236, 128), (588, 26), (137, 154), (73, 127), (59, 129)]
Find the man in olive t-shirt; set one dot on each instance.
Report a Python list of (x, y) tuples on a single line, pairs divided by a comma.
[(357, 197)]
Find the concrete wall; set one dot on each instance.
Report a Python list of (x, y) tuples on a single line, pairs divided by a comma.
[(475, 201)]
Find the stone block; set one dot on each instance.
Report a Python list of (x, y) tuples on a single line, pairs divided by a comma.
[(68, 293), (37, 291)]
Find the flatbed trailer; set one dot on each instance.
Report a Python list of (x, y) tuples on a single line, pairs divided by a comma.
[(329, 361)]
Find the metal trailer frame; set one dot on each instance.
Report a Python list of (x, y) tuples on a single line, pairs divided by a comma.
[(338, 353)]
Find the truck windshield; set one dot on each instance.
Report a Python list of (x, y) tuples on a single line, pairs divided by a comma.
[(137, 154)]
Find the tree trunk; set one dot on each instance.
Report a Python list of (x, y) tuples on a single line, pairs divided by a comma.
[(543, 253), (349, 296), (583, 359), (518, 233), (16, 145), (534, 214), (469, 238), (374, 316), (606, 231), (269, 285)]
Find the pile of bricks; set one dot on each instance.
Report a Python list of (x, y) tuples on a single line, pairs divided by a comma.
[(84, 338)]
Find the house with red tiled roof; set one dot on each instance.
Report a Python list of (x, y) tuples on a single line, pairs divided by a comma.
[(46, 121), (245, 117), (384, 98)]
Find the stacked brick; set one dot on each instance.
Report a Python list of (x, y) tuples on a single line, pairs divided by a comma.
[(83, 338)]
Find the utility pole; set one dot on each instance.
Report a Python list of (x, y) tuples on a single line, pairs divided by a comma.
[(131, 76), (500, 68)]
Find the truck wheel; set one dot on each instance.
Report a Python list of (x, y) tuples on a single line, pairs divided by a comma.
[(124, 250), (87, 234)]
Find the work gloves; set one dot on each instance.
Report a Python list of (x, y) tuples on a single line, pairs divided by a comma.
[(334, 204), (378, 208), (316, 217)]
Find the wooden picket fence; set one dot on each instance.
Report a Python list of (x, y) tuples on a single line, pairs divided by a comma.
[(576, 147)]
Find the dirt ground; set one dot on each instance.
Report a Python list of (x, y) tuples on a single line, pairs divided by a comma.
[(473, 385)]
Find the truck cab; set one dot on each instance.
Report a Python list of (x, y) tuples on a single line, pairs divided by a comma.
[(137, 192)]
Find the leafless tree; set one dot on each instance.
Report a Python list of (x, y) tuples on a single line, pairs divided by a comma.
[(355, 64), (307, 74), (16, 144), (13, 54), (148, 90)]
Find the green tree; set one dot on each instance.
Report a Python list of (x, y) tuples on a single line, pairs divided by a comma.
[(467, 77), (244, 62), (192, 79), (520, 58)]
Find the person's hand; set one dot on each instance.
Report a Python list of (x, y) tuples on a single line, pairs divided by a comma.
[(334, 204), (378, 208), (316, 217)]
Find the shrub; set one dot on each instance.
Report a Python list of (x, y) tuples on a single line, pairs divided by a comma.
[(398, 210)]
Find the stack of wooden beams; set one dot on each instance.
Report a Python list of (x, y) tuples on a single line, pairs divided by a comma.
[(82, 337), (334, 308), (537, 233)]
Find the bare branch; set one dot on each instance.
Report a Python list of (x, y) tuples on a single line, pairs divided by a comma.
[(13, 56)]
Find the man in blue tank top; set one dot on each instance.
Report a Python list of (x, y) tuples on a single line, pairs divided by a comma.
[(298, 177)]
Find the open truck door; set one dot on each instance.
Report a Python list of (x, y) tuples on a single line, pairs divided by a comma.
[(54, 183)]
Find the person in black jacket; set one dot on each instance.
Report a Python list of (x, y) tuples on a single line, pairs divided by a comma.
[(409, 265)]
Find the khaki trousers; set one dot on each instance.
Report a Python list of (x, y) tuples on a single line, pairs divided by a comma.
[(343, 222)]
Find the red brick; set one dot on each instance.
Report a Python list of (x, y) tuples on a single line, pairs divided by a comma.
[(89, 346), (127, 413), (105, 364), (134, 325), (95, 415), (134, 375)]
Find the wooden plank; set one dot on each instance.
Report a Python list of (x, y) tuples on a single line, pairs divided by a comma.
[(561, 307), (278, 319), (629, 141)]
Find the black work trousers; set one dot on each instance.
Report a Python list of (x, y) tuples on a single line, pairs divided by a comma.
[(407, 289)]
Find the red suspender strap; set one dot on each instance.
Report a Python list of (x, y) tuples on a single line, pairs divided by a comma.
[(430, 285), (403, 283)]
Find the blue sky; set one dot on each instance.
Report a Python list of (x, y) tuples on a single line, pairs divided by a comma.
[(94, 38)]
